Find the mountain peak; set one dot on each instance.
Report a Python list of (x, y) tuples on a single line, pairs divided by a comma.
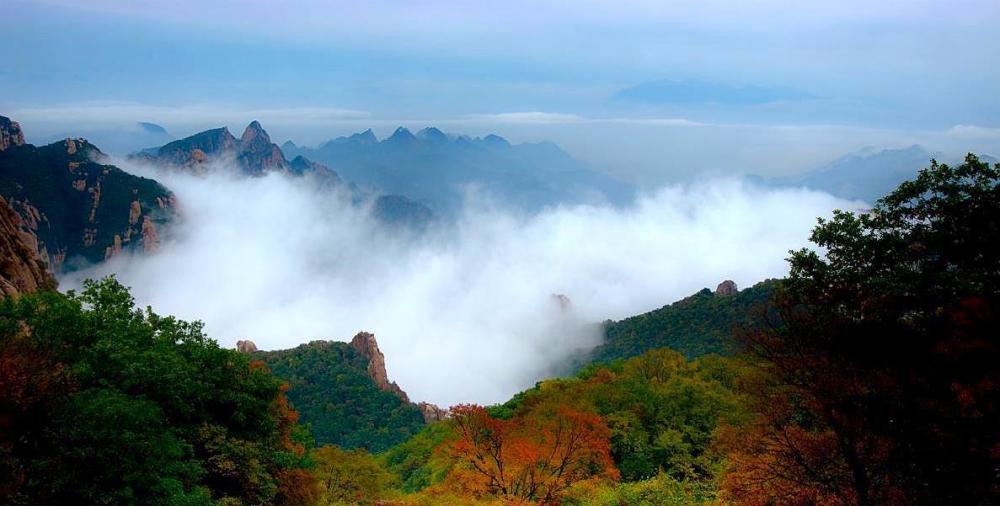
[(152, 128), (401, 135), (255, 133), (432, 134), (495, 141), (10, 133), (364, 343), (366, 137)]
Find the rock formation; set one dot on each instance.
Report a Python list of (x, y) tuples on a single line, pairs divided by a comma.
[(365, 344), (10, 134), (22, 270), (79, 209), (727, 287), (431, 412), (246, 346)]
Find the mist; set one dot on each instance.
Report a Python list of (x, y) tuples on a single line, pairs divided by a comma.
[(465, 312)]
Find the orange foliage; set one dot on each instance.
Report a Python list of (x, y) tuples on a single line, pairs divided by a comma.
[(534, 458)]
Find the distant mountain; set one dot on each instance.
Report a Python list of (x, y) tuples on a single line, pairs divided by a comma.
[(255, 155), (253, 152), (866, 175), (342, 391), (436, 168), (694, 326), (79, 209), (122, 140)]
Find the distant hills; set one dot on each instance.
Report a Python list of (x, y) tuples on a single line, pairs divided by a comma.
[(867, 174), (436, 168)]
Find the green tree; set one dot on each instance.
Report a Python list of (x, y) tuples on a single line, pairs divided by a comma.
[(148, 410), (887, 341)]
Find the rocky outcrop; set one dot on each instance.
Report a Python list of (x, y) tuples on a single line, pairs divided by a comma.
[(727, 287), (22, 270), (80, 209), (431, 412), (246, 346), (364, 343), (10, 133)]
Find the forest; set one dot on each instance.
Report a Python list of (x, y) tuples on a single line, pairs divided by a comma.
[(867, 376)]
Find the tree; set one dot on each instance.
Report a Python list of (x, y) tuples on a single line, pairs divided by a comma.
[(886, 347), (531, 458), (350, 476), (123, 406)]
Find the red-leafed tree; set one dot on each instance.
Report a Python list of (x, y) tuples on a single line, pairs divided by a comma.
[(532, 457)]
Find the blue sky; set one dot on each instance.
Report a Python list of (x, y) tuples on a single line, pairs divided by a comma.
[(649, 90)]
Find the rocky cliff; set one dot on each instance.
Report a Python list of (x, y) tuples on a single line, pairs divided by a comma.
[(22, 270), (727, 287), (366, 345), (10, 133), (80, 209)]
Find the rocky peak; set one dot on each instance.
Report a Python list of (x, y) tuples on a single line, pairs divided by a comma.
[(246, 346), (432, 412), (727, 287), (254, 133), (366, 345), (10, 133)]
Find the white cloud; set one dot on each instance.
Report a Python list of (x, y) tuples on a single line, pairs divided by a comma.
[(465, 313)]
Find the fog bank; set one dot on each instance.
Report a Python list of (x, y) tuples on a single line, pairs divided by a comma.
[(464, 313)]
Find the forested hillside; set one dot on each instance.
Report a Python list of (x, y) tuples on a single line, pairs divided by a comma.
[(330, 387), (694, 326)]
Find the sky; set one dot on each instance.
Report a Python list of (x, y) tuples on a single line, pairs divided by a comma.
[(651, 91)]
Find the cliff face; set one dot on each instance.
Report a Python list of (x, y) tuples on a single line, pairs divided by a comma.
[(80, 209), (366, 345), (21, 269), (10, 133)]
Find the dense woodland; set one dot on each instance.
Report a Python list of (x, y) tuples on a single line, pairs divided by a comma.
[(868, 376)]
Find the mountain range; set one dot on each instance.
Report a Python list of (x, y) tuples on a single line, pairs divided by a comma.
[(438, 169), (867, 174)]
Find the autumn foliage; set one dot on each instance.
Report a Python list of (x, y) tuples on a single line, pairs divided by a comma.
[(530, 458)]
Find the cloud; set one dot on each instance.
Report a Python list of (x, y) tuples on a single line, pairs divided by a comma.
[(533, 117), (118, 113), (465, 313), (974, 132), (698, 92)]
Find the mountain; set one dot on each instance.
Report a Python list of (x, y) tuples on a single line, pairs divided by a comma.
[(79, 209), (694, 326), (121, 140), (343, 392), (253, 152), (22, 270), (866, 175), (255, 155), (436, 168)]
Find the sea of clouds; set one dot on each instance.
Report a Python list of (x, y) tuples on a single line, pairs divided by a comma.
[(466, 311)]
